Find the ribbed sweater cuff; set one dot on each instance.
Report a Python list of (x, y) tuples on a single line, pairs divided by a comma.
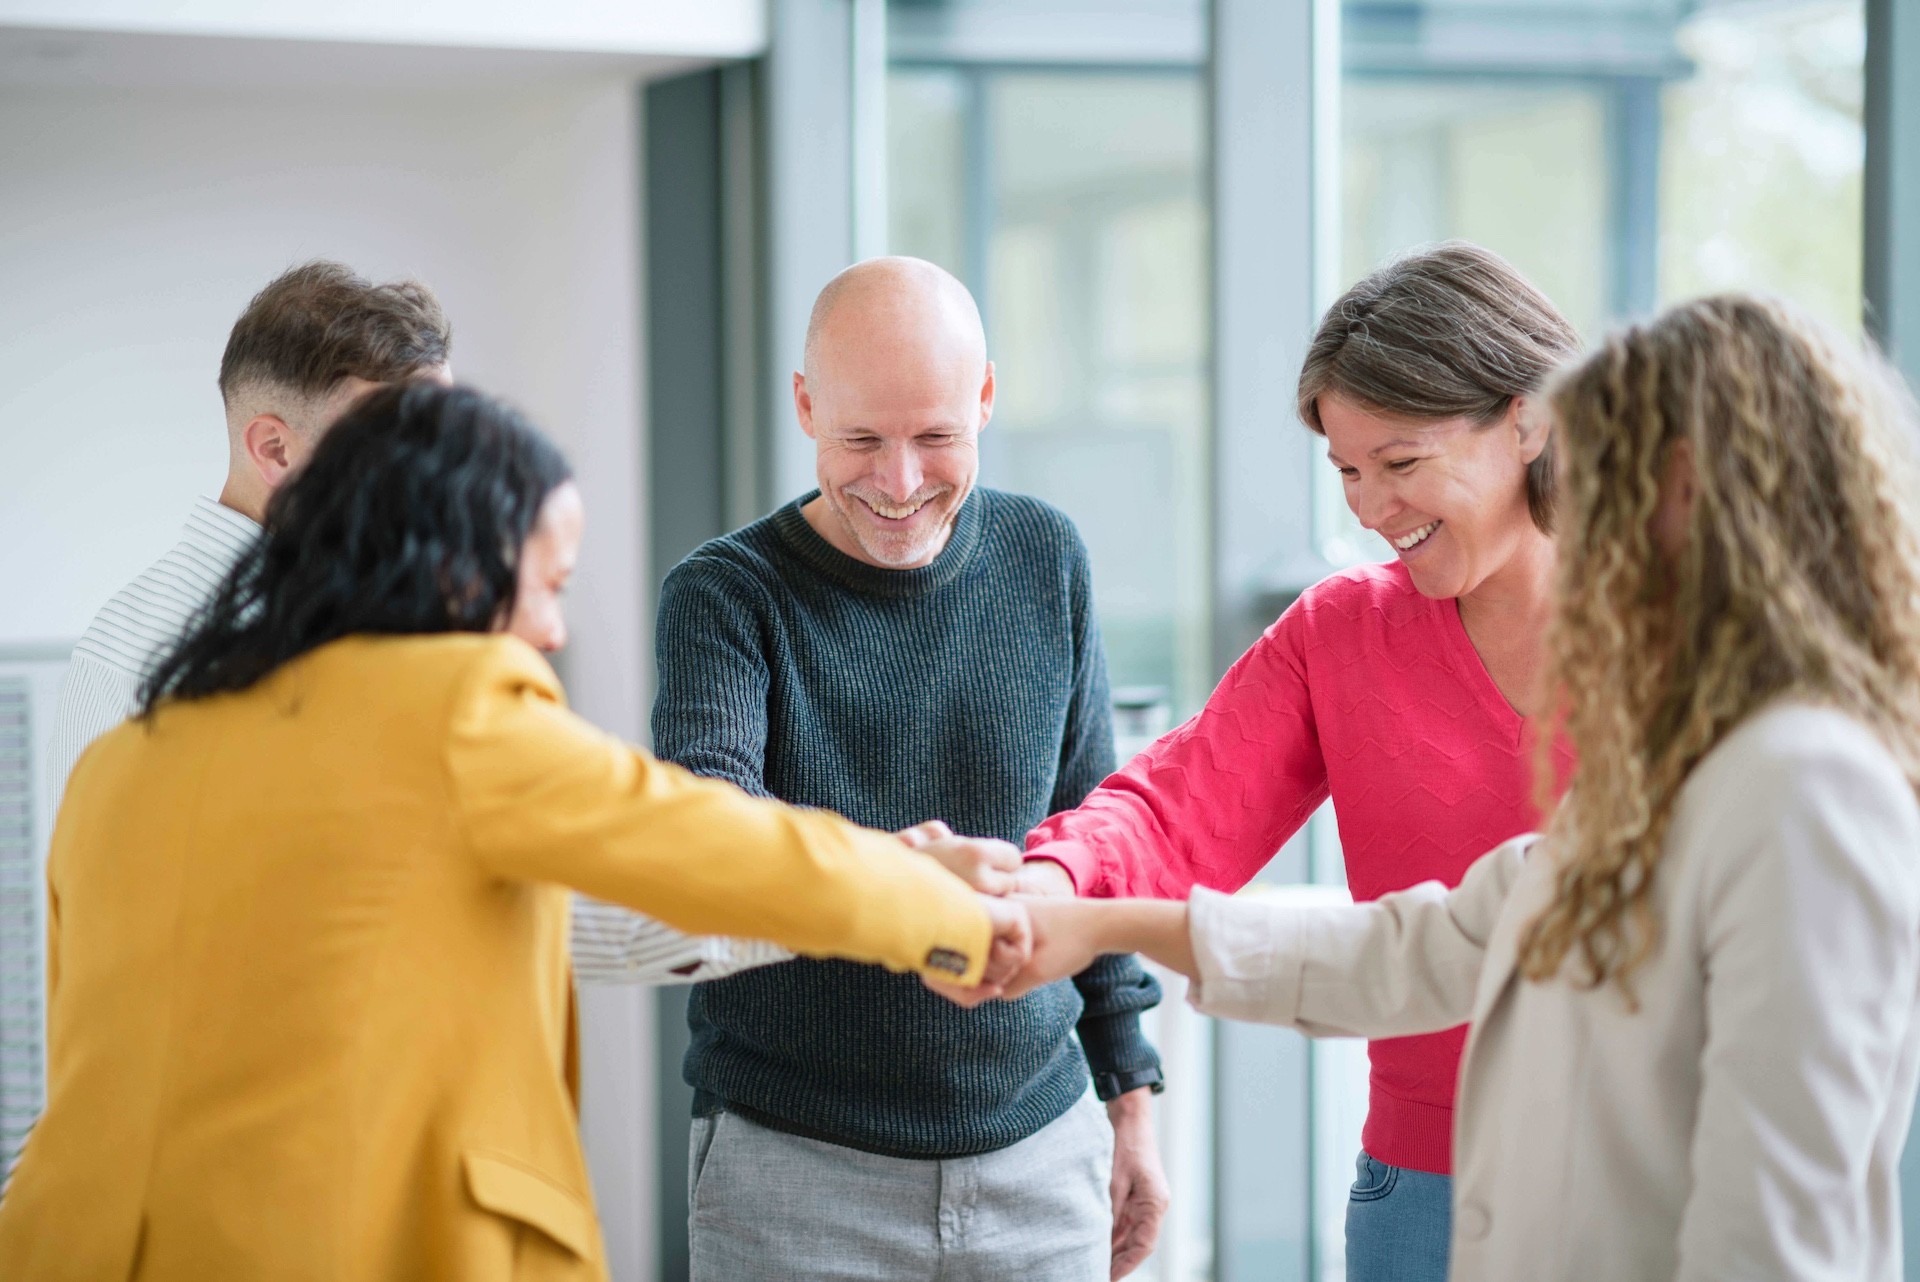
[(1117, 1050)]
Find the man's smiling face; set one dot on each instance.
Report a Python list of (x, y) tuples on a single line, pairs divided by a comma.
[(895, 394)]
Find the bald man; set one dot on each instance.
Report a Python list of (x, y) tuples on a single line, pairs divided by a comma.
[(903, 646)]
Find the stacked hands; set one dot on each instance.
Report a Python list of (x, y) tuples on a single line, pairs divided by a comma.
[(1041, 933)]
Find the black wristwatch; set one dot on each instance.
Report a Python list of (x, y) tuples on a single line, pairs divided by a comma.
[(1111, 1086)]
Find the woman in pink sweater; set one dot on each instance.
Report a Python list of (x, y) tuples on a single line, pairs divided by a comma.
[(1401, 691)]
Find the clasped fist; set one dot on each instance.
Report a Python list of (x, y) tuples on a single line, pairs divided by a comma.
[(1035, 942), (1010, 953), (995, 869)]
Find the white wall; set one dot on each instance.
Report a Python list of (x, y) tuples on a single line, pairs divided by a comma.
[(135, 225)]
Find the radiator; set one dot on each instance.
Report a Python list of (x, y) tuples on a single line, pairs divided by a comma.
[(29, 682)]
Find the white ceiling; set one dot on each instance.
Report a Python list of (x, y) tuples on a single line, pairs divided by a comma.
[(43, 58)]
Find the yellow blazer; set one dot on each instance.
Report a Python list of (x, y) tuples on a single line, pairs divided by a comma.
[(309, 1005)]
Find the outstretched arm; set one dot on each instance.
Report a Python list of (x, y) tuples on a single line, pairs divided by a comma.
[(1406, 963), (615, 945), (543, 796), (1209, 803), (1069, 933)]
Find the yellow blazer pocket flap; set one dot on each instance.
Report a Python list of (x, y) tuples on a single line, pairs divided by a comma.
[(505, 1187)]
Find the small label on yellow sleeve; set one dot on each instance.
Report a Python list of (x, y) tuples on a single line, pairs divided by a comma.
[(950, 960)]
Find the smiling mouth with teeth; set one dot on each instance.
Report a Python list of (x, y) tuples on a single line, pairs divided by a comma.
[(1414, 538), (891, 512)]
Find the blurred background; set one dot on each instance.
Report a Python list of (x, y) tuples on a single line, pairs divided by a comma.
[(628, 209)]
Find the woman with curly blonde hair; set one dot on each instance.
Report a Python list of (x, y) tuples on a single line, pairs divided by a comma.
[(1694, 1040)]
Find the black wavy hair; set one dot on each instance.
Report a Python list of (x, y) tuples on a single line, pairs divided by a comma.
[(408, 519)]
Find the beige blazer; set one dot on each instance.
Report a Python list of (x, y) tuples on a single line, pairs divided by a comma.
[(1747, 1121)]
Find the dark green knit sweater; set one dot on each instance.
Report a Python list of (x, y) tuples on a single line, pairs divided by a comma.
[(972, 690)]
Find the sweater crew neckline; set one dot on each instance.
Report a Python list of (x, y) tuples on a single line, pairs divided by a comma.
[(872, 580)]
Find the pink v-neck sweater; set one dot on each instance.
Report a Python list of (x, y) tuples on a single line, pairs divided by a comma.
[(1364, 691)]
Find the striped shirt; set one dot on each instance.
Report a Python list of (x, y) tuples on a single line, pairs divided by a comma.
[(143, 620), (135, 629)]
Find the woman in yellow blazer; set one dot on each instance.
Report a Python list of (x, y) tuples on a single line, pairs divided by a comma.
[(309, 1004)]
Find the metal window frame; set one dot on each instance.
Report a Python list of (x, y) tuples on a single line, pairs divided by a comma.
[(1274, 84), (1891, 195), (1890, 243), (813, 82), (691, 469)]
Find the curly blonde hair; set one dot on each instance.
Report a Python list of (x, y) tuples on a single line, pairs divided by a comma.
[(1800, 576)]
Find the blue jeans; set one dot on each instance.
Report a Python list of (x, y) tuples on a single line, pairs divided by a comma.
[(1398, 1224)]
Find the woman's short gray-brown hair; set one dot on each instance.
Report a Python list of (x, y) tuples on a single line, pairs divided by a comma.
[(1447, 331)]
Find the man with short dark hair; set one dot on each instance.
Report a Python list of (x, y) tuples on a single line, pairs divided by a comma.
[(309, 345)]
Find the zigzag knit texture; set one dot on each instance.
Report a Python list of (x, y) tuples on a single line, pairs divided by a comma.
[(1363, 691)]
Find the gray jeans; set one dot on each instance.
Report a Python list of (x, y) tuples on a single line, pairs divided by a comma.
[(764, 1204)]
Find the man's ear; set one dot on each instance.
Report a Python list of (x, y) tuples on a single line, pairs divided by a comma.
[(986, 396), (1530, 427), (272, 446), (802, 402)]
